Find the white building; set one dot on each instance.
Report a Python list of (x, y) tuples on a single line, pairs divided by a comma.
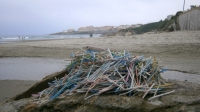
[(70, 30)]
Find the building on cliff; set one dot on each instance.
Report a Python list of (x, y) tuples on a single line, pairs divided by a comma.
[(190, 20), (71, 30), (82, 29), (102, 28)]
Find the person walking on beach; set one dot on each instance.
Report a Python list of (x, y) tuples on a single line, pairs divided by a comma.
[(23, 38), (90, 35)]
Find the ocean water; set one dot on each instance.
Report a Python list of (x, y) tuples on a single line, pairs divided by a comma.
[(14, 38)]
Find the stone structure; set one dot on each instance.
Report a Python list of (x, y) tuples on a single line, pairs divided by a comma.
[(190, 20)]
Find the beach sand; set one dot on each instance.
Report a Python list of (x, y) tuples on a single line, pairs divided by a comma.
[(18, 74), (179, 51), (10, 88)]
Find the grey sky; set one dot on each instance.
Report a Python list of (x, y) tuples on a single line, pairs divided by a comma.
[(28, 17)]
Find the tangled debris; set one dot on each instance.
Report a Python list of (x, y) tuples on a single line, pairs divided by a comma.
[(95, 71)]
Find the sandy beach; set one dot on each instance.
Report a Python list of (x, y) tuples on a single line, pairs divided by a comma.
[(18, 74), (177, 51), (10, 88)]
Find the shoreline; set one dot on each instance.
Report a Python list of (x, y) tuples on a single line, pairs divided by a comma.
[(38, 38), (177, 51), (29, 68), (28, 40), (17, 74)]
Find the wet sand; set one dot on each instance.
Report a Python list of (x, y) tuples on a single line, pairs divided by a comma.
[(178, 51), (10, 88), (19, 74), (179, 76), (29, 68)]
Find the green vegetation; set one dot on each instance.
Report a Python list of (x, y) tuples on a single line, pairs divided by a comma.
[(161, 25), (175, 18)]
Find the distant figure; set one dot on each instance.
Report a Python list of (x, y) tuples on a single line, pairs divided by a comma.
[(19, 37), (90, 35), (155, 31)]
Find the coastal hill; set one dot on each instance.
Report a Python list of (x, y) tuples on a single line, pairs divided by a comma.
[(165, 25), (181, 20), (96, 30), (161, 25), (85, 32)]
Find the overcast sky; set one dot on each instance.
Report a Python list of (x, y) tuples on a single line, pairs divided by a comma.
[(28, 17)]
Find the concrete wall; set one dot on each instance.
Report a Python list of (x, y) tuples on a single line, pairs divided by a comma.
[(190, 20)]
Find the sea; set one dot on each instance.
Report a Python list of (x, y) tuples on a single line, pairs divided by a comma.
[(14, 38), (32, 68)]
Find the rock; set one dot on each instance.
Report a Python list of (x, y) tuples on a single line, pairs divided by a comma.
[(186, 98), (110, 34), (29, 107), (156, 103), (120, 34), (128, 34), (150, 33), (43, 84), (14, 106)]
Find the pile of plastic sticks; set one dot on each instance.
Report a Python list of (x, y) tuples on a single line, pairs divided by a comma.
[(94, 71)]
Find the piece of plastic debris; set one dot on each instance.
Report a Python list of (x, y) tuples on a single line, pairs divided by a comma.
[(96, 71)]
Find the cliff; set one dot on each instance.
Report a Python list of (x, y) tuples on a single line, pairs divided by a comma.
[(158, 26), (190, 20)]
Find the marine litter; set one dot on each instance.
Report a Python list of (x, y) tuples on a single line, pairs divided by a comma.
[(94, 71)]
